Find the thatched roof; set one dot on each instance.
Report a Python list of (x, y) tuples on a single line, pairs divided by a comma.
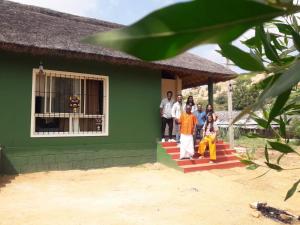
[(42, 31)]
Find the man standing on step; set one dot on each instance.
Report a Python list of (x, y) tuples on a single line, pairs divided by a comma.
[(177, 110), (201, 117), (166, 116), (187, 123)]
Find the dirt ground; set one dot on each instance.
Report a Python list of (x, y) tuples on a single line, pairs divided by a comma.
[(151, 194)]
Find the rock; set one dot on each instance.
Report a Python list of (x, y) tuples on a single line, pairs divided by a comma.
[(285, 217), (194, 189), (253, 205), (256, 214)]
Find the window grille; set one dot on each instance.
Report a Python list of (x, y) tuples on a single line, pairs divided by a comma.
[(69, 104)]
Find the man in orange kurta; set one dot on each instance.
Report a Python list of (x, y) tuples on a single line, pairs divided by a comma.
[(187, 122)]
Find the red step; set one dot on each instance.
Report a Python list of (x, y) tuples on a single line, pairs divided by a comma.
[(205, 160), (225, 158), (168, 144), (211, 166), (172, 144), (206, 154), (172, 149)]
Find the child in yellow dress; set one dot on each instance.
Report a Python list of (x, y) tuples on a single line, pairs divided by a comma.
[(210, 131)]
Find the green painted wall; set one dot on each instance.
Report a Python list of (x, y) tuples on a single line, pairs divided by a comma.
[(164, 158), (133, 118)]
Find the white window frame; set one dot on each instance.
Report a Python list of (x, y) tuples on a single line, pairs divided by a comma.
[(105, 79)]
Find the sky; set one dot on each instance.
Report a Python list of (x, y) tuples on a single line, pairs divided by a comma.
[(123, 12)]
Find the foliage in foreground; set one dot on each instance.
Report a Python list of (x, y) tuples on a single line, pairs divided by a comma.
[(273, 49)]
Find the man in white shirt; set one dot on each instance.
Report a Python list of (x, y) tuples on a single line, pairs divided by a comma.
[(166, 116), (177, 109)]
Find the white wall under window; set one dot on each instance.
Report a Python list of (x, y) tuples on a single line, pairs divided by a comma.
[(66, 104)]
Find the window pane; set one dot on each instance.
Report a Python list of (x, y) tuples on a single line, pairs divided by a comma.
[(47, 94), (94, 97), (62, 89), (39, 93), (90, 124), (46, 125), (82, 97)]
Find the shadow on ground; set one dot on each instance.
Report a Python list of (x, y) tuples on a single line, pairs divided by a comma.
[(5, 180)]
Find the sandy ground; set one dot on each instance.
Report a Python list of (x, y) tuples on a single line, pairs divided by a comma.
[(148, 194)]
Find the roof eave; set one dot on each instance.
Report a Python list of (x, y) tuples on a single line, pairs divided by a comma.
[(184, 73)]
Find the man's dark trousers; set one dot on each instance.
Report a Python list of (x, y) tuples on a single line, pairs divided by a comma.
[(164, 122)]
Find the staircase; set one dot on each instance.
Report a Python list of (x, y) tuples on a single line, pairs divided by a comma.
[(168, 153)]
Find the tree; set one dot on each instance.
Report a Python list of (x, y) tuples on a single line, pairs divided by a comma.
[(221, 99), (244, 94), (176, 28), (221, 102)]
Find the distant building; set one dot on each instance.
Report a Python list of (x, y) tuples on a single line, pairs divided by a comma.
[(244, 123)]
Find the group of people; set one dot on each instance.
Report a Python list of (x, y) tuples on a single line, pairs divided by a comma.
[(190, 122)]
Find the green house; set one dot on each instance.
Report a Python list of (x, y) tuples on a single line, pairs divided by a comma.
[(68, 105)]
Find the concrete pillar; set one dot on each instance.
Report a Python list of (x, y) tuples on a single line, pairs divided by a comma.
[(178, 85), (230, 128), (210, 87)]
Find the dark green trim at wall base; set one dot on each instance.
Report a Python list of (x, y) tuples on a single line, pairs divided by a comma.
[(1, 161), (165, 158), (24, 160)]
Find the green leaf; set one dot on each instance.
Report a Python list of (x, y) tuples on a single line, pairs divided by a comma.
[(253, 43), (292, 191), (295, 22), (270, 50), (278, 105), (293, 109), (289, 30), (241, 59), (274, 166), (261, 122), (292, 105), (267, 81), (284, 28), (267, 153), (265, 113), (287, 60), (286, 40), (282, 127), (286, 3), (276, 43), (262, 174), (246, 161), (174, 29), (252, 167), (286, 81), (296, 39), (280, 147), (280, 157)]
